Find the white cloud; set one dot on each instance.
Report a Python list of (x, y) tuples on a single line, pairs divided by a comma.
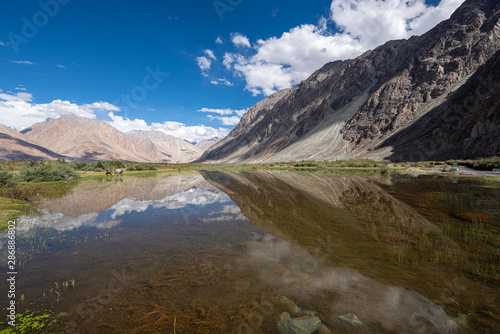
[(203, 63), (210, 54), (221, 81), (190, 133), (240, 40), (281, 62), (60, 66), (229, 59), (375, 22), (19, 88), (219, 40), (226, 111), (23, 62), (17, 109), (225, 120)]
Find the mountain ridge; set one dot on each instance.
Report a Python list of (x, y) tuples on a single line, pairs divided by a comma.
[(347, 109)]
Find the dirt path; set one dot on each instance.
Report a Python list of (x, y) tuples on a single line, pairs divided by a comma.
[(469, 171)]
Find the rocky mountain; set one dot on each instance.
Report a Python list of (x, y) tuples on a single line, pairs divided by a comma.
[(433, 94), (87, 139), (14, 146), (206, 144), (165, 148)]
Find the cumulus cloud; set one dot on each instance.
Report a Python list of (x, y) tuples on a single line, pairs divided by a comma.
[(194, 133), (219, 40), (240, 40), (233, 120), (282, 62), (210, 54), (375, 22), (204, 64), (19, 111), (225, 117)]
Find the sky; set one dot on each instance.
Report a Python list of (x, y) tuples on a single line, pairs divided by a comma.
[(187, 68)]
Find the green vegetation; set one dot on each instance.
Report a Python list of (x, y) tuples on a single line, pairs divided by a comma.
[(40, 171), (28, 323), (479, 164), (98, 166), (140, 167), (306, 164)]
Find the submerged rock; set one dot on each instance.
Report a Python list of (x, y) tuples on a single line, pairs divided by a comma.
[(290, 306), (462, 320), (352, 319), (302, 325)]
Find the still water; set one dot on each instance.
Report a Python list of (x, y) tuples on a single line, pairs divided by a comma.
[(228, 252)]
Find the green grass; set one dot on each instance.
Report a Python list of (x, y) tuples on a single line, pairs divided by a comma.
[(28, 323), (11, 209)]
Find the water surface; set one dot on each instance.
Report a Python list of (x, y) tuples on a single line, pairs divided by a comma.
[(227, 252)]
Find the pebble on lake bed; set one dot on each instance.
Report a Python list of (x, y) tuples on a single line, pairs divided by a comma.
[(303, 325), (352, 319)]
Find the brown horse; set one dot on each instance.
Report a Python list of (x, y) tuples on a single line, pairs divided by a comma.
[(109, 173)]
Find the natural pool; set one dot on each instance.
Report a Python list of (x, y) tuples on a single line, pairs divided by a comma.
[(227, 252)]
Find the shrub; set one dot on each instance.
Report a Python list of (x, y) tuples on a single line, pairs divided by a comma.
[(487, 164), (306, 164), (7, 178), (138, 167), (42, 171)]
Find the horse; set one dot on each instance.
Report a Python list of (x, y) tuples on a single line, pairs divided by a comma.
[(109, 173), (118, 172)]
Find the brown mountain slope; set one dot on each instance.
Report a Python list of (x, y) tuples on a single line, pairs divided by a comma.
[(349, 108), (14, 146), (165, 148), (467, 125), (84, 138)]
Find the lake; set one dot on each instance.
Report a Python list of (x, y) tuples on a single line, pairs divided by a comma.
[(229, 251)]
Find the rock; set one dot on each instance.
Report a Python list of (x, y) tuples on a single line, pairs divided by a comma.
[(312, 313), (352, 319), (290, 306), (462, 320), (285, 316), (302, 325), (324, 330)]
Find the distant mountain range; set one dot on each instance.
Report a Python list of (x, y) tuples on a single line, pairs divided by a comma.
[(434, 96), (78, 138)]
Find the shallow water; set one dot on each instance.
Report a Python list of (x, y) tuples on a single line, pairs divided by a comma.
[(227, 252)]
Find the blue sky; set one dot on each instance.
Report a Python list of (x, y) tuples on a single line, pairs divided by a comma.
[(187, 68)]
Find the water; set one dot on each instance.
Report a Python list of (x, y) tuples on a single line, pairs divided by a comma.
[(227, 252)]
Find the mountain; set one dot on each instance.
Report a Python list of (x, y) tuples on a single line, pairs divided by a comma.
[(164, 148), (14, 146), (87, 139), (206, 144), (372, 105)]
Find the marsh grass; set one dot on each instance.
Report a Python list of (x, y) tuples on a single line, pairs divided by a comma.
[(477, 251)]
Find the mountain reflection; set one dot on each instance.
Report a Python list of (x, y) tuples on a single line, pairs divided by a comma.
[(354, 233), (99, 204)]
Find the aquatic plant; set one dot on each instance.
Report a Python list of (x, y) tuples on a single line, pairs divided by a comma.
[(28, 323)]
